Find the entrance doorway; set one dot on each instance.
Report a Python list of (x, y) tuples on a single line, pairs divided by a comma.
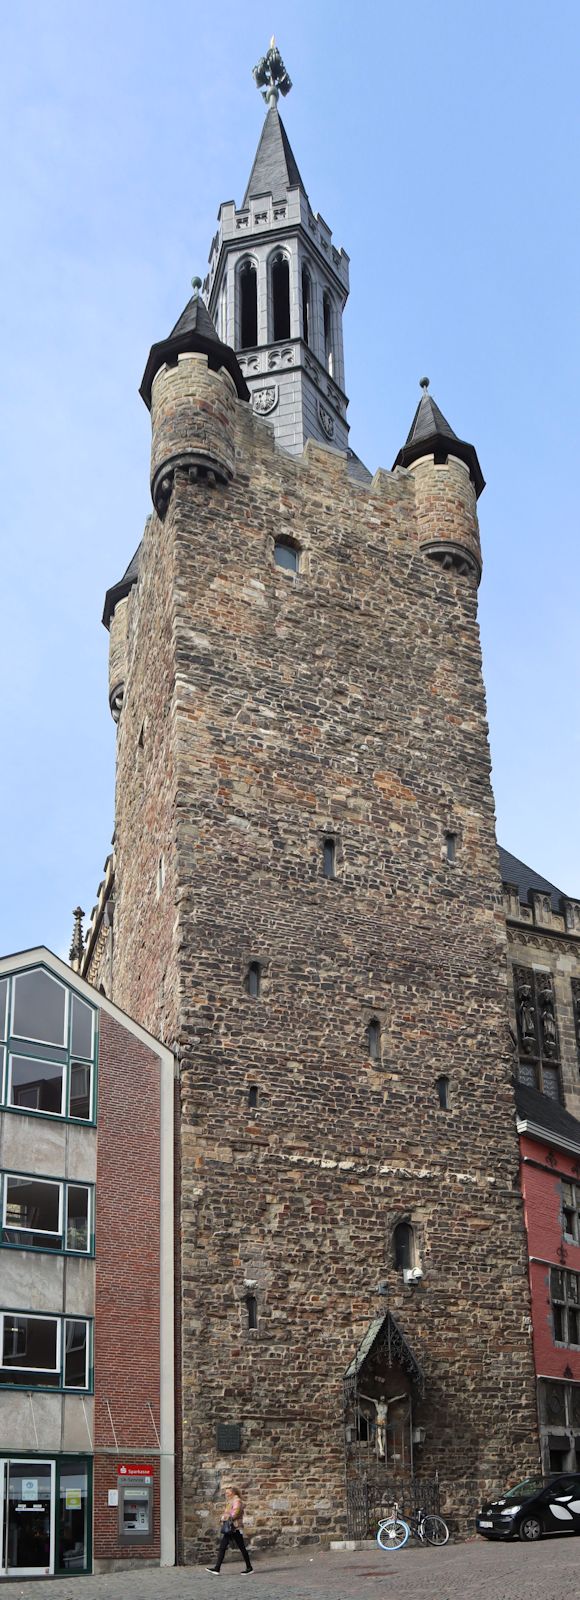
[(45, 1516)]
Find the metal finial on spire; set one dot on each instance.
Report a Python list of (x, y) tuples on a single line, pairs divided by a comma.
[(424, 383), (78, 942), (271, 75), (196, 286)]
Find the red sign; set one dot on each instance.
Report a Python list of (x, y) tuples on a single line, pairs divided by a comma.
[(134, 1469)]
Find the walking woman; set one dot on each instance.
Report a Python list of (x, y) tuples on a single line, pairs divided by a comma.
[(231, 1530)]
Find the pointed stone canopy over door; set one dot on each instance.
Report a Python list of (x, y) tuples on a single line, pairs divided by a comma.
[(385, 1338)]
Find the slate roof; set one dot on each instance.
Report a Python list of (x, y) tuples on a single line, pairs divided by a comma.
[(356, 468), (385, 1327), (546, 1113), (275, 169), (514, 871), (194, 330), (430, 431), (121, 589)]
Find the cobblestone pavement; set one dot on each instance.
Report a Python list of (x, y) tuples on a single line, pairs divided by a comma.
[(471, 1571)]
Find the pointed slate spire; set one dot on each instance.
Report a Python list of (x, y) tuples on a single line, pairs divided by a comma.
[(431, 434), (275, 169), (193, 331)]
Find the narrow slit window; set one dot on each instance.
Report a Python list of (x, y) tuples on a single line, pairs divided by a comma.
[(451, 847), (328, 344), (404, 1247), (286, 555), (374, 1039), (443, 1093), (306, 305), (254, 979), (248, 287), (253, 1096), (280, 298), (329, 858), (252, 1310)]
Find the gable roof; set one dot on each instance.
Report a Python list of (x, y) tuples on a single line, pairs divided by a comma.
[(41, 956), (386, 1331), (515, 871), (275, 169)]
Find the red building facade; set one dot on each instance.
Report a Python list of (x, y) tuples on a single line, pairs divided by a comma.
[(550, 1178)]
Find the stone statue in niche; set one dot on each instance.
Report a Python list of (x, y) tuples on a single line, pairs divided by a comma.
[(527, 1016), (549, 1034), (381, 1414)]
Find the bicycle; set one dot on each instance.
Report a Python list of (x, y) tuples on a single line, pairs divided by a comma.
[(393, 1532)]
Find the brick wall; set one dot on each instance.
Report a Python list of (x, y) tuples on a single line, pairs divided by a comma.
[(543, 1170), (127, 1274)]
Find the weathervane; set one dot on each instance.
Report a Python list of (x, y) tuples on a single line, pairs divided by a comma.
[(271, 75)]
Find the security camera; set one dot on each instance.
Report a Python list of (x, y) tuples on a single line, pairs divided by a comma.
[(412, 1274)]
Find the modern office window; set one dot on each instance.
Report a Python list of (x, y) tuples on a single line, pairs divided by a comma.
[(48, 1048), (45, 1214), (44, 1352)]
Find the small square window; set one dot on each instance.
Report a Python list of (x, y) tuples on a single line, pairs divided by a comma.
[(286, 555)]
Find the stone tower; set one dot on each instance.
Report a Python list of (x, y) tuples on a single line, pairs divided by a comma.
[(305, 901)]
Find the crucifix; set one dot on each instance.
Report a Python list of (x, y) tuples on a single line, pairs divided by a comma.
[(382, 1409)]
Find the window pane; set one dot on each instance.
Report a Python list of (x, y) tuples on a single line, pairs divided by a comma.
[(80, 1090), (75, 1355), (558, 1324), (77, 1228), (82, 1028), (551, 1082), (527, 1074), (36, 1085), (575, 1405), (29, 1346), (557, 1284), (3, 1001), (553, 1403), (73, 1521), (286, 556), (32, 1213), (39, 1008)]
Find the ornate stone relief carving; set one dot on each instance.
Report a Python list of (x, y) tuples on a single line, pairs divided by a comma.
[(326, 420), (265, 400), (281, 358)]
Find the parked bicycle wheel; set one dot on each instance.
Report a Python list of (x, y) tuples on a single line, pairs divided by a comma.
[(393, 1533), (435, 1530)]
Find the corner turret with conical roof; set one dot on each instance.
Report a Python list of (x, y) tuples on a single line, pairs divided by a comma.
[(448, 482), (277, 288)]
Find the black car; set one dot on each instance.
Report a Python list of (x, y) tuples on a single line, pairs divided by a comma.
[(536, 1506)]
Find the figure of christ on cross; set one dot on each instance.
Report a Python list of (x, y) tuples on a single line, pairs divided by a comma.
[(382, 1409)]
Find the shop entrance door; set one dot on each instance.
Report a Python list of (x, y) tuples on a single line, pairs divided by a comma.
[(26, 1518)]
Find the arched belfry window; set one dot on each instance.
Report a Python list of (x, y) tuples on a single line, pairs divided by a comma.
[(306, 305), (328, 332), (404, 1246), (248, 307), (280, 298)]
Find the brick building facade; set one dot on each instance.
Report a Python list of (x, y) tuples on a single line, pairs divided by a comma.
[(305, 902), (86, 1279)]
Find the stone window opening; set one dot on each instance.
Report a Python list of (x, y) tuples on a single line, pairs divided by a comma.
[(306, 304), (404, 1247), (251, 1305), (248, 305), (160, 875), (329, 857), (141, 739), (287, 555), (328, 333), (442, 1086), (565, 1297), (451, 848), (571, 1211), (253, 1096), (280, 285), (254, 979), (374, 1039)]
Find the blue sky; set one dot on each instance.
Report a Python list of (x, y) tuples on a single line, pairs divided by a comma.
[(441, 144)]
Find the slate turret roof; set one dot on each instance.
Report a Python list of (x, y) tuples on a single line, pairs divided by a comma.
[(194, 330), (430, 433), (275, 169)]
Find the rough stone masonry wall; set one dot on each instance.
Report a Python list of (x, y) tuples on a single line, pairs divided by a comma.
[(348, 701)]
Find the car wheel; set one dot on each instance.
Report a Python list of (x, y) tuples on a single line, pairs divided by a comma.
[(530, 1528)]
